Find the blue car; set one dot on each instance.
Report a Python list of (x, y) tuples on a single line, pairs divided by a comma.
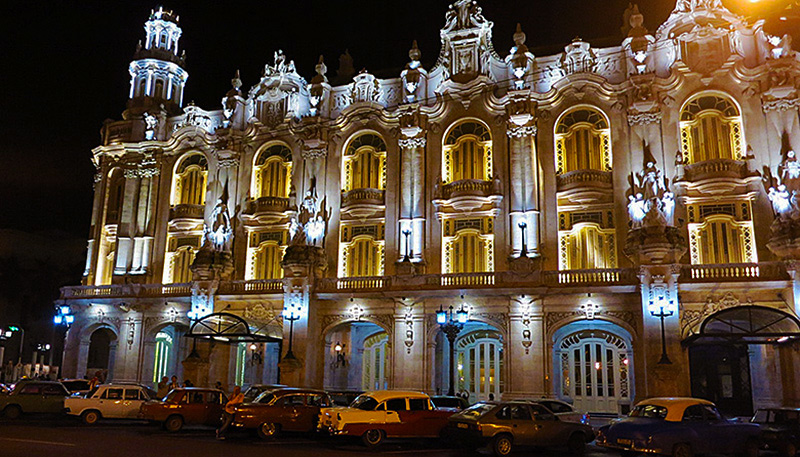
[(680, 427)]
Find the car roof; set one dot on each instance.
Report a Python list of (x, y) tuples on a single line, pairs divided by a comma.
[(675, 405), (197, 389), (779, 408), (382, 395), (296, 390), (122, 384), (37, 381)]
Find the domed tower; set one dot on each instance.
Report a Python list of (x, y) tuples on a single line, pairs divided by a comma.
[(157, 71)]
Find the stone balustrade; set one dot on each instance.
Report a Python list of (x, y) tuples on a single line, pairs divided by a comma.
[(363, 196), (467, 187), (267, 205), (184, 211), (578, 178), (715, 168), (732, 272), (118, 132)]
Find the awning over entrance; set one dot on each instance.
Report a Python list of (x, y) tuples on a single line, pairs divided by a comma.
[(230, 328), (747, 325)]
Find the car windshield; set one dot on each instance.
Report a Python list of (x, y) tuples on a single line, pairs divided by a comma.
[(447, 402), (264, 397), (172, 395), (365, 403), (649, 411), (152, 394), (477, 410), (72, 386)]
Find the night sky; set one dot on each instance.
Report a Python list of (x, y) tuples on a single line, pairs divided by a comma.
[(65, 69)]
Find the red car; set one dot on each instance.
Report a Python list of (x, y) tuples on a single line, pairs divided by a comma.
[(287, 409), (187, 405), (381, 414)]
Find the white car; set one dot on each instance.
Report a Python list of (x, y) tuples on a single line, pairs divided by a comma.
[(109, 401), (564, 411)]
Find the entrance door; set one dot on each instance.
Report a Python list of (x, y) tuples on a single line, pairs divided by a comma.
[(721, 373), (480, 365), (595, 371)]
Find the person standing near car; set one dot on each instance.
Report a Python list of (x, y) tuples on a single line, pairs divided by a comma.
[(237, 398), (163, 387), (174, 384)]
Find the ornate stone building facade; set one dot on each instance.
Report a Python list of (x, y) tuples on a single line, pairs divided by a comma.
[(582, 209)]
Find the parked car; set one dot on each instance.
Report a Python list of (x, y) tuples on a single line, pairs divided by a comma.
[(343, 397), (505, 425), (31, 396), (109, 401), (282, 410), (563, 410), (185, 405), (375, 416), (680, 427), (780, 429), (77, 386), (257, 389), (453, 403)]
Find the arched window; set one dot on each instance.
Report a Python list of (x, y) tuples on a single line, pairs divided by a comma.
[(583, 141), (586, 247), (467, 153), (268, 258), (159, 88), (163, 351), (189, 183), (116, 196), (480, 364), (365, 163), (364, 257), (711, 128), (272, 173), (721, 239), (373, 362), (468, 245)]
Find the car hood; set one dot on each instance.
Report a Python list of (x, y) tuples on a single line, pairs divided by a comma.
[(635, 427)]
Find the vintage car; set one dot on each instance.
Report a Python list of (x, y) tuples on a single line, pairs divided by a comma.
[(453, 403), (563, 410), (257, 389), (780, 429), (680, 427), (77, 386), (109, 401), (343, 397), (505, 425), (282, 410), (31, 396), (185, 405), (375, 416)]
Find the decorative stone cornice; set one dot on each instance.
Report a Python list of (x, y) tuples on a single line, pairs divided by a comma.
[(230, 162), (648, 118), (131, 173), (315, 153), (781, 104), (417, 142), (521, 131)]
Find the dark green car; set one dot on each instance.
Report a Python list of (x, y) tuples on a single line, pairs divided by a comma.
[(31, 396)]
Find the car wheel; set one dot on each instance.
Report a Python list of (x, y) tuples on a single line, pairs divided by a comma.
[(90, 417), (789, 450), (267, 431), (173, 423), (372, 438), (576, 444), (682, 450), (13, 412), (502, 445), (751, 447)]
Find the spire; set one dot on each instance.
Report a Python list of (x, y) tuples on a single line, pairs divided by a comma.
[(321, 69), (414, 53), (519, 37)]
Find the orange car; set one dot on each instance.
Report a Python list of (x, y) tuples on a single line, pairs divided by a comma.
[(287, 409), (187, 405)]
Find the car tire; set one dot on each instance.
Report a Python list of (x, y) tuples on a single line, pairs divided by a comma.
[(682, 450), (12, 412), (268, 431), (751, 448), (576, 445), (173, 423), (789, 450), (90, 417), (502, 445), (373, 438)]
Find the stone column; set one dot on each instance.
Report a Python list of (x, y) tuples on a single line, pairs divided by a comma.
[(412, 192), (525, 349), (127, 222), (408, 356)]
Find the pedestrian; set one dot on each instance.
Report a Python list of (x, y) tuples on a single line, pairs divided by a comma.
[(187, 383), (94, 381), (174, 384), (237, 398), (163, 387), (491, 397), (218, 385)]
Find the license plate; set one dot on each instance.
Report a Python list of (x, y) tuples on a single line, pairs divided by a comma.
[(624, 442), (461, 425)]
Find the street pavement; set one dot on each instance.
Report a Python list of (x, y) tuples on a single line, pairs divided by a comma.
[(65, 437)]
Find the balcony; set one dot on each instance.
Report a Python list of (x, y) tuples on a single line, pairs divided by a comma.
[(467, 195), (734, 272), (186, 217), (266, 210), (362, 203), (254, 286), (716, 176), (585, 186)]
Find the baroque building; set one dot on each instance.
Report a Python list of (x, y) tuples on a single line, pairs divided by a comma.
[(612, 223)]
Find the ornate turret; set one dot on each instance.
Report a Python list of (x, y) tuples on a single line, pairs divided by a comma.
[(157, 71)]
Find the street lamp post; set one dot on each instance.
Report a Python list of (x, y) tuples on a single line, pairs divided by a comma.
[(451, 324), (290, 313), (523, 227), (64, 317), (662, 310), (21, 331)]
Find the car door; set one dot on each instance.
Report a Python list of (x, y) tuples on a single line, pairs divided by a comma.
[(420, 419), (53, 396), (213, 408), (111, 402), (294, 407), (193, 407), (515, 417), (396, 410), (29, 398), (308, 419), (548, 430), (722, 431), (133, 399), (699, 433)]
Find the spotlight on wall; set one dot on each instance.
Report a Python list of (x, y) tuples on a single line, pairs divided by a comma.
[(340, 360)]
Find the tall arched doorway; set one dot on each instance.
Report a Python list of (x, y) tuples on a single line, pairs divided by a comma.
[(479, 362), (102, 343), (593, 366), (356, 356)]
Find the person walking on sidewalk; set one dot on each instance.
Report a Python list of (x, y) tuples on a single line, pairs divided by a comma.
[(237, 398)]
